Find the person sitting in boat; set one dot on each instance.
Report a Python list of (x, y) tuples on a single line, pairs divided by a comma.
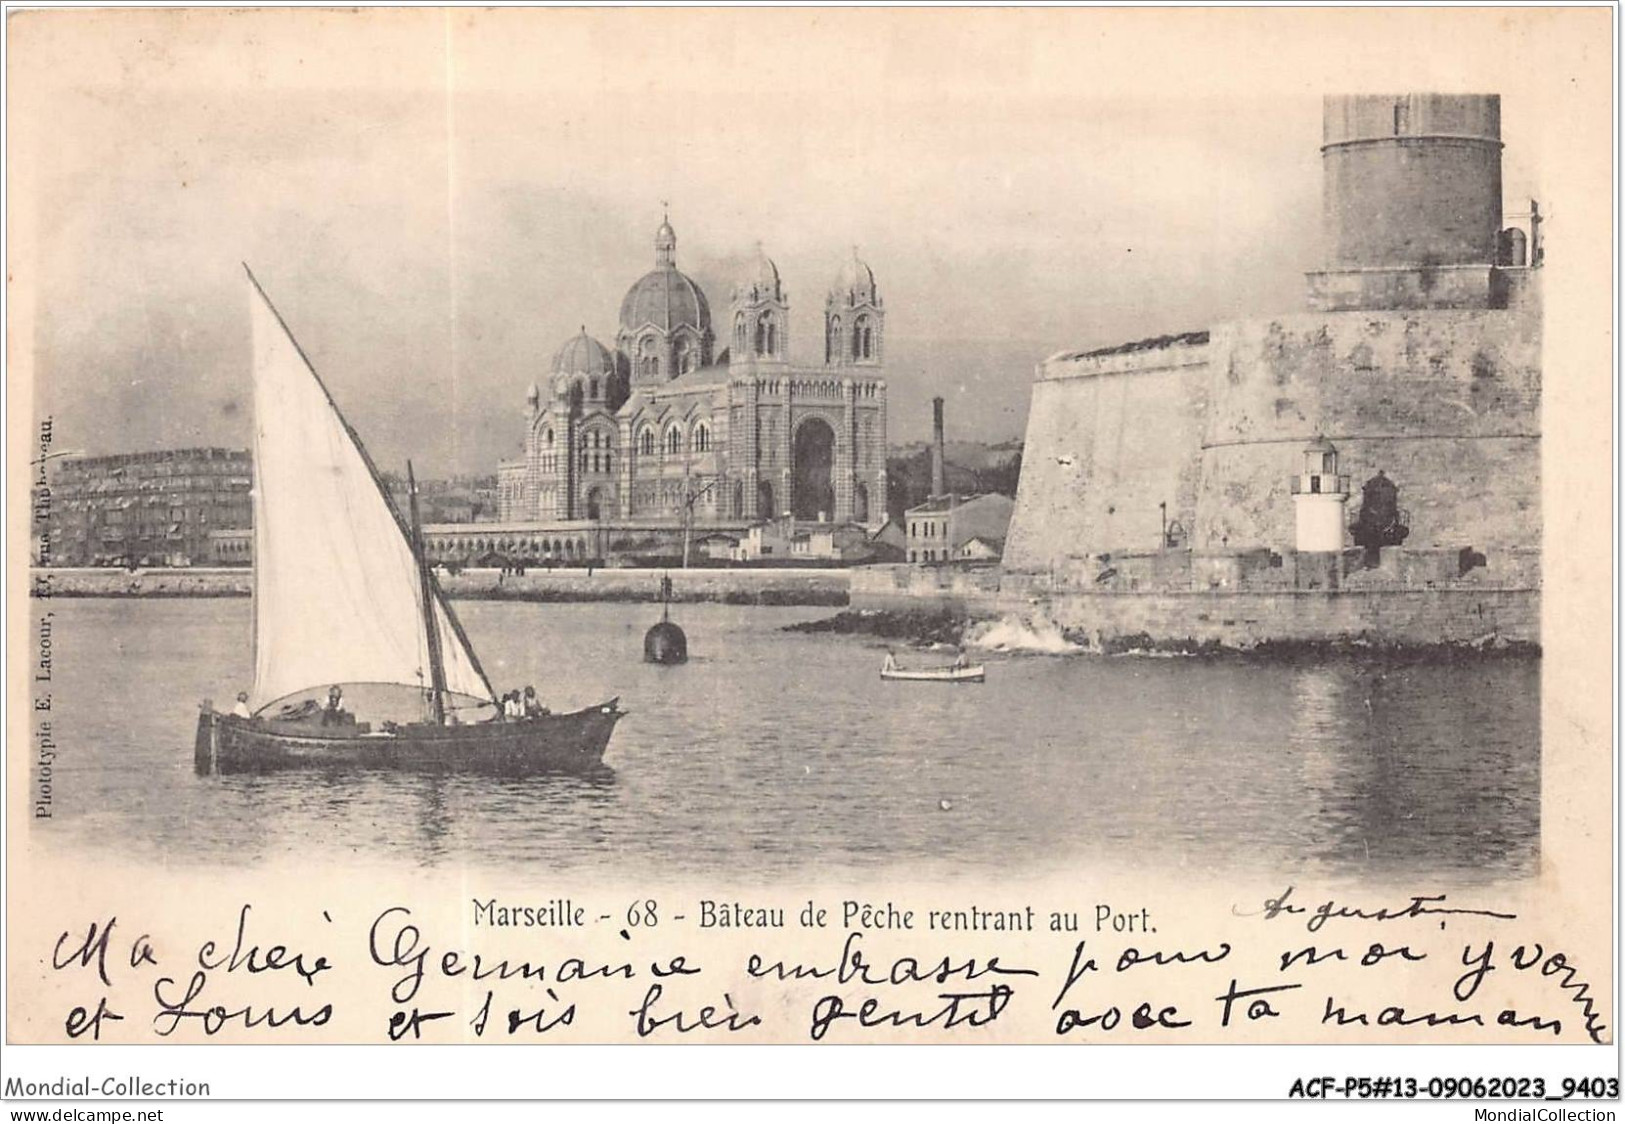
[(512, 708), (959, 661), (241, 709), (891, 662), (533, 707), (333, 713)]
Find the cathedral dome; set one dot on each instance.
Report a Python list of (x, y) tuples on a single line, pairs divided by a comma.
[(583, 355), (855, 284), (668, 299), (665, 296)]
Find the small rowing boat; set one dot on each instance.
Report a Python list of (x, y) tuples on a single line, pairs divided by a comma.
[(957, 672)]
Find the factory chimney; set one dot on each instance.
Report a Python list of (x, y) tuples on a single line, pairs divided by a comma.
[(939, 483)]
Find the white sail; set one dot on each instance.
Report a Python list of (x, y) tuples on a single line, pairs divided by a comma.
[(337, 594)]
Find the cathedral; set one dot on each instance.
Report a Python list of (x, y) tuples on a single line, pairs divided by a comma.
[(671, 420)]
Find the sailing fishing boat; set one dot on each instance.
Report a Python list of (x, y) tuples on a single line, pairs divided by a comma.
[(344, 596)]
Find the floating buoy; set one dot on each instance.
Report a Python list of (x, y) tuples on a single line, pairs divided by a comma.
[(665, 642)]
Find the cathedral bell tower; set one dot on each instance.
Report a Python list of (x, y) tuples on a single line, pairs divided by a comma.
[(761, 316), (854, 318)]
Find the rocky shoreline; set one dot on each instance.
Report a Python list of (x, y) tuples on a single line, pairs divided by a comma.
[(925, 628), (921, 628)]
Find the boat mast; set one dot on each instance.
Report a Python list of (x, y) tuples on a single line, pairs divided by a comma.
[(437, 667)]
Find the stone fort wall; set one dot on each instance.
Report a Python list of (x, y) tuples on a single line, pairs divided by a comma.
[(1110, 437), (1446, 402)]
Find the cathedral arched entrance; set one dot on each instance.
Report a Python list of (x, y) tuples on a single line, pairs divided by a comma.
[(764, 501), (595, 502), (813, 461)]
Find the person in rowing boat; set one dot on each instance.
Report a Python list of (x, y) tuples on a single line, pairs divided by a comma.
[(241, 709), (959, 662)]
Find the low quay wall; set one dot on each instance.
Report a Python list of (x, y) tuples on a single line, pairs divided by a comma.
[(776, 586), (1234, 618)]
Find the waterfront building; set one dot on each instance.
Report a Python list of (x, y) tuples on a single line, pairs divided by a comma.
[(889, 542), (156, 508), (981, 548), (943, 528), (763, 541), (718, 546)]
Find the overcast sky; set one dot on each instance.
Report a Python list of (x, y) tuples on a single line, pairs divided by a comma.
[(436, 201)]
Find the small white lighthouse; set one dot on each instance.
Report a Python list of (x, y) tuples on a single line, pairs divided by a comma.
[(1320, 496)]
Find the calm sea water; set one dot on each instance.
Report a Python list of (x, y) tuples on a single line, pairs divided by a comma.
[(775, 753)]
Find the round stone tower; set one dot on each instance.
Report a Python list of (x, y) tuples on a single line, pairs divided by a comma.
[(1412, 180), (1412, 198)]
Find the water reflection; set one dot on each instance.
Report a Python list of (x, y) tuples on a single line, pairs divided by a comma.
[(1416, 768), (776, 754), (433, 820)]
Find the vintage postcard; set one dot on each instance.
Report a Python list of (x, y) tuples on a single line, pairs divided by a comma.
[(811, 527)]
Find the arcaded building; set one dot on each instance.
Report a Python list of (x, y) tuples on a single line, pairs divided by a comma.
[(1387, 438), (683, 410)]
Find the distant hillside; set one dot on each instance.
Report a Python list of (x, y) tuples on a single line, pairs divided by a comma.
[(973, 455), (971, 466), (460, 499)]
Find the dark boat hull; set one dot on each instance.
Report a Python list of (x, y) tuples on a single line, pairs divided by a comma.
[(550, 743)]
